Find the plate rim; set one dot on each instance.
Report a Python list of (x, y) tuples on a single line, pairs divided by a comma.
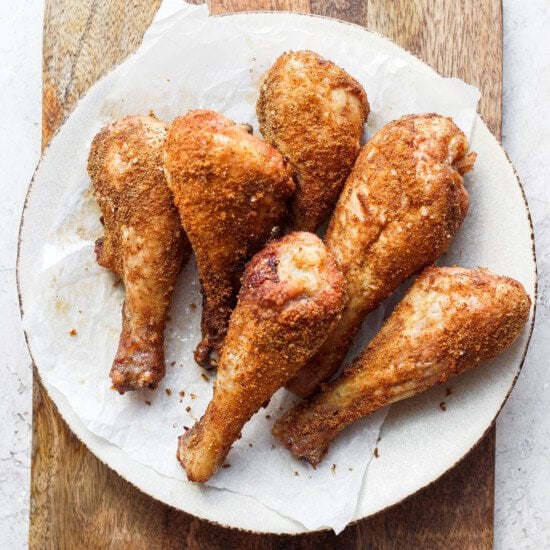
[(36, 370)]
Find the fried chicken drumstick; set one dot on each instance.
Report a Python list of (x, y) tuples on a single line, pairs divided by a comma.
[(292, 293), (231, 190), (449, 321), (144, 242), (398, 212), (313, 112)]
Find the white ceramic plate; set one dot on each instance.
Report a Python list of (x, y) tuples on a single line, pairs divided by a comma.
[(418, 442)]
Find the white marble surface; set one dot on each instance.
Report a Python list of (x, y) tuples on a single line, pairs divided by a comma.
[(522, 510)]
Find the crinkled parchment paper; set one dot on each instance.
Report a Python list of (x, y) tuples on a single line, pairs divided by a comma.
[(188, 61)]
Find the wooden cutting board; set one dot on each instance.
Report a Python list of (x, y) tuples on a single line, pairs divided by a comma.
[(78, 502)]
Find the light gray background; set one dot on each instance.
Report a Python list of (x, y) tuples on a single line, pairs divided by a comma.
[(522, 508)]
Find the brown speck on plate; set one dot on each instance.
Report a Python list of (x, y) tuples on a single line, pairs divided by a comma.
[(333, 468), (268, 416), (442, 406), (182, 393), (193, 306), (168, 391), (296, 473), (73, 332), (172, 363), (226, 466), (448, 392), (205, 378), (193, 395), (250, 444), (186, 428), (188, 408), (272, 447), (376, 454), (147, 402)]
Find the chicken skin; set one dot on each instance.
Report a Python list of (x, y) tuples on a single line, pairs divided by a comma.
[(398, 212), (313, 112), (450, 320), (144, 242), (231, 190), (292, 293)]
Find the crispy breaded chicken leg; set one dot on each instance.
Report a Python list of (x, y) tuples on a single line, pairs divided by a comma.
[(313, 112), (449, 321), (398, 212), (292, 293), (231, 190), (144, 242)]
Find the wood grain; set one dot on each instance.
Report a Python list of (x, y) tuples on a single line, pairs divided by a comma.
[(76, 501)]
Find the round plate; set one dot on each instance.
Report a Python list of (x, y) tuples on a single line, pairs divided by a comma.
[(417, 444)]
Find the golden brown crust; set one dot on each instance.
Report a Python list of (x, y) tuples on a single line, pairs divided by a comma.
[(292, 293), (450, 320), (313, 112), (143, 243), (231, 190), (398, 212)]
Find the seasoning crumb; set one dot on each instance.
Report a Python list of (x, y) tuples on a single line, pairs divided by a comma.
[(205, 378), (73, 332), (296, 474), (272, 447), (379, 438), (174, 425), (448, 392), (168, 391), (172, 363), (193, 396), (333, 468), (442, 406), (250, 444), (186, 428), (350, 469), (148, 402), (182, 393), (193, 306), (268, 416), (188, 408), (152, 113), (226, 466), (376, 453)]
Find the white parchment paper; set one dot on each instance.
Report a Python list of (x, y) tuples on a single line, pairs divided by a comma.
[(188, 60)]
